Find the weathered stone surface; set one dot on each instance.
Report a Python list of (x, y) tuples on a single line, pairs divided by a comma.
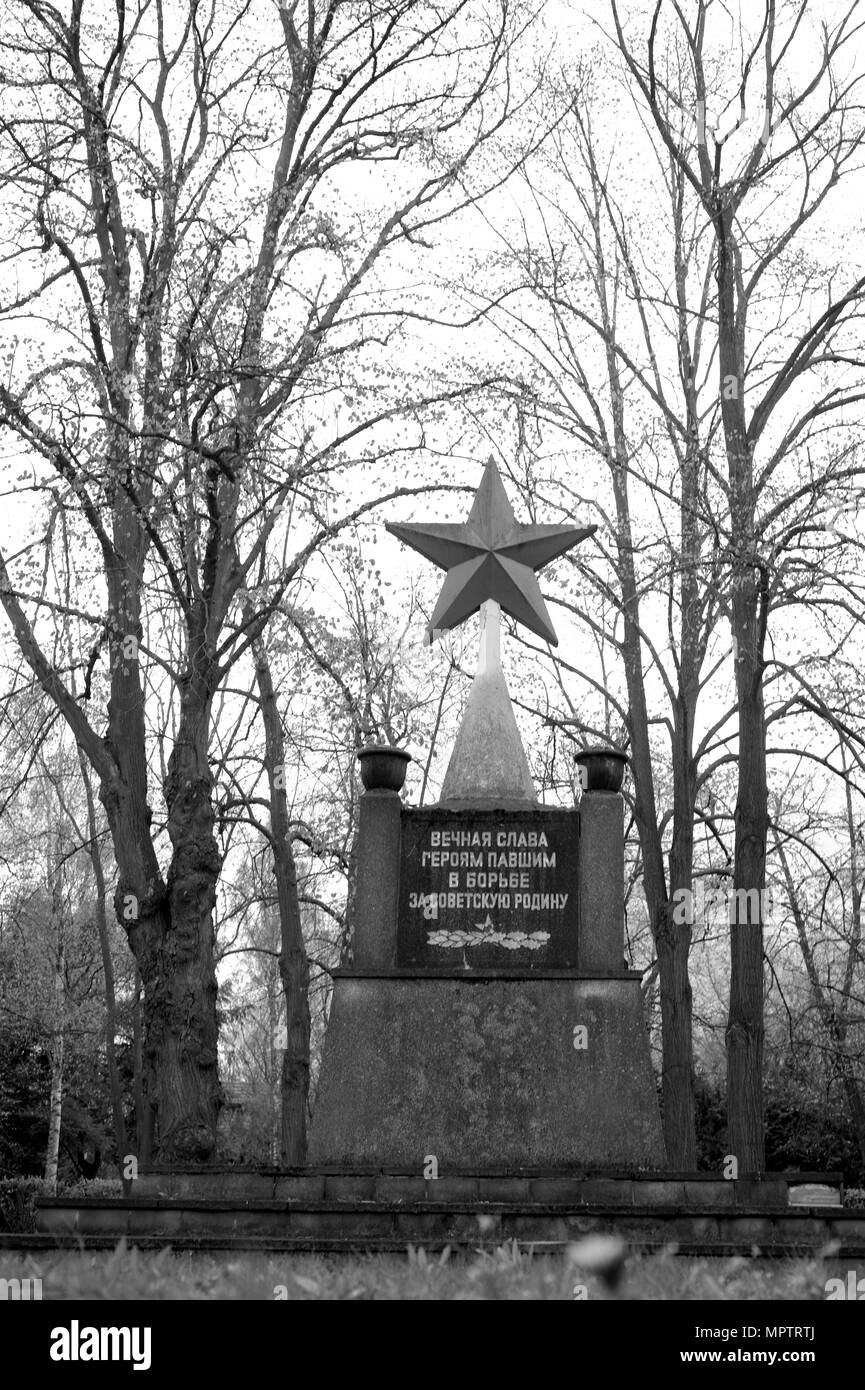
[(571, 1190), (760, 1192), (485, 1072), (610, 1192), (801, 1227), (660, 1194), (408, 1226), (488, 762), (218, 1183), (331, 1225), (169, 1221), (503, 1189), (756, 1228), (93, 1221), (536, 1228), (602, 861), (851, 1228), (299, 1189), (689, 1228), (350, 1224), (450, 1187), (377, 886), (485, 888), (714, 1193), (159, 1184), (391, 1188), (474, 1225), (583, 1223), (57, 1220), (349, 1187)]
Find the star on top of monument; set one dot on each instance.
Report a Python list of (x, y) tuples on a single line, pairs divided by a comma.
[(491, 556)]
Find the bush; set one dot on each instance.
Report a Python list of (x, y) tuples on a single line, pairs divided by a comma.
[(18, 1202), (91, 1187), (804, 1133), (18, 1197), (24, 1096), (710, 1113)]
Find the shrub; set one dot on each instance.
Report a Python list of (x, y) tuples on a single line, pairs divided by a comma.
[(18, 1202), (18, 1197), (804, 1133)]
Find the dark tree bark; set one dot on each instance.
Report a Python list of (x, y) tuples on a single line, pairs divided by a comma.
[(748, 619), (293, 960), (121, 1138)]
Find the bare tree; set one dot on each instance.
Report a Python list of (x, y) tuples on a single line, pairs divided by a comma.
[(179, 209), (762, 120)]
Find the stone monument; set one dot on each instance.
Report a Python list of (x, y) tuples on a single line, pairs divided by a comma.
[(487, 1019)]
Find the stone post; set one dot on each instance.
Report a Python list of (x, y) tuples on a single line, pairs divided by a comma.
[(377, 887), (602, 876)]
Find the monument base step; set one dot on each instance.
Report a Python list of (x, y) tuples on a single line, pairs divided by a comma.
[(843, 1246), (579, 1187), (378, 1212)]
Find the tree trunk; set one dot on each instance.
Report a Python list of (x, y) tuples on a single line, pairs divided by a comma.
[(170, 929), (745, 1028), (293, 960), (54, 863), (273, 1063), (180, 1011), (672, 940), (851, 1082), (144, 1136), (120, 1136), (55, 1104)]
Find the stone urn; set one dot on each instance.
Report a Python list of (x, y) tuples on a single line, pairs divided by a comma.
[(604, 769), (383, 767)]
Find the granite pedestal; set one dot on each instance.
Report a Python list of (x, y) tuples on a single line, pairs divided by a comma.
[(487, 1018)]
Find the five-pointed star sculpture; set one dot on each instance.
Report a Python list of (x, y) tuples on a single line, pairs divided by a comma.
[(491, 556)]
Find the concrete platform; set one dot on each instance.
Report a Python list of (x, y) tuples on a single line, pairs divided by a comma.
[(184, 1223), (570, 1186), (377, 1211)]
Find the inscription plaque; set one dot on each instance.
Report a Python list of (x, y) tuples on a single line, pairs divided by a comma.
[(489, 888)]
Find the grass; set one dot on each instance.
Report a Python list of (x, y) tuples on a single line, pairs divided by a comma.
[(506, 1273)]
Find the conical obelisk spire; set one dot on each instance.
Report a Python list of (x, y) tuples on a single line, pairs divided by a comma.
[(488, 763)]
